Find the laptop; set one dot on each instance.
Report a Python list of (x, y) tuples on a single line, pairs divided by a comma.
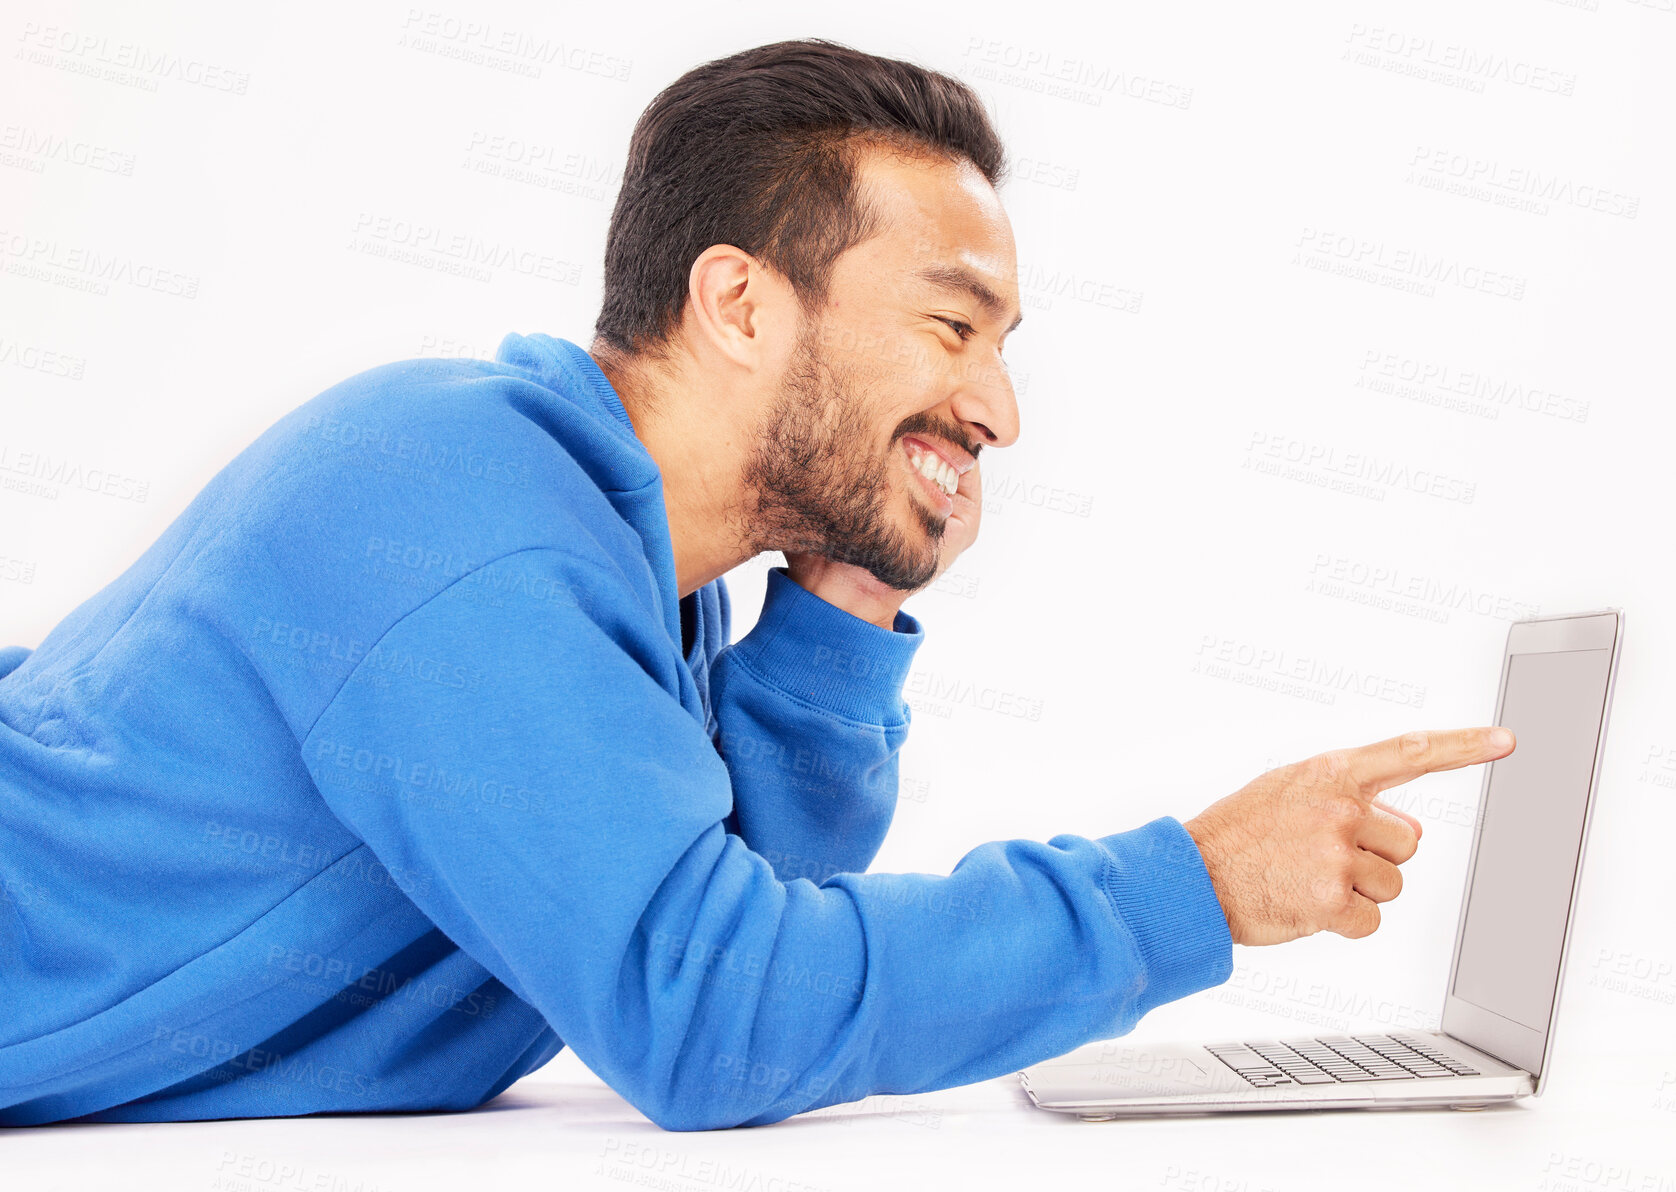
[(1499, 1005)]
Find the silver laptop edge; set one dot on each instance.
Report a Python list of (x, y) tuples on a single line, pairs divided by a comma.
[(1112, 1078)]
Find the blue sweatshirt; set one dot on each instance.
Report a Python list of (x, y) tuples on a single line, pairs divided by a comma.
[(396, 764)]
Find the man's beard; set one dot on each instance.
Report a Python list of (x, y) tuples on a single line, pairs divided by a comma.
[(815, 487)]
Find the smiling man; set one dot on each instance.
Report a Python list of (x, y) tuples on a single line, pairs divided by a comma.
[(864, 420), (417, 747)]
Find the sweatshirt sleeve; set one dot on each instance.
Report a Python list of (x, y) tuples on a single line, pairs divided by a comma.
[(567, 813), (810, 720)]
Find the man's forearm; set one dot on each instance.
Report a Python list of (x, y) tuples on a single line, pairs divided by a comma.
[(809, 719)]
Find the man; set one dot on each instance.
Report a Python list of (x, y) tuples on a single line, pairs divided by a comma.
[(416, 749)]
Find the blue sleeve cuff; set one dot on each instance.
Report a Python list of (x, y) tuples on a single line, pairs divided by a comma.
[(1159, 887), (831, 658)]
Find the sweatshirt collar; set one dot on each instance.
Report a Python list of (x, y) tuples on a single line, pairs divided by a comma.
[(596, 382), (564, 366), (544, 355)]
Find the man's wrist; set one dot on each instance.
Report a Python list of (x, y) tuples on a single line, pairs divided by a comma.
[(873, 611), (804, 645), (1163, 894), (862, 597)]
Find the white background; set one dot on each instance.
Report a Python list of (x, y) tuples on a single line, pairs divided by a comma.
[(1347, 341)]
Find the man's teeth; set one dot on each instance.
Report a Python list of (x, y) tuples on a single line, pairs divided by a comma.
[(934, 468)]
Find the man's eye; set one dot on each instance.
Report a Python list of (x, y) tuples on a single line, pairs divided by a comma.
[(964, 330)]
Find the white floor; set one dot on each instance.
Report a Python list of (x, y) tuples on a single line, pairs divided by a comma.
[(563, 1129)]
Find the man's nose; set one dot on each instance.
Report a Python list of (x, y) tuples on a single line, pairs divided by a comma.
[(985, 401)]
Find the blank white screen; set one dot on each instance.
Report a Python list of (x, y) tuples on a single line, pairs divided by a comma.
[(1531, 834)]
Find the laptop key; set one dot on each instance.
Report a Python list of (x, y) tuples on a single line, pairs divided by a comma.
[(1317, 1061), (1365, 1066), (1248, 1064), (1420, 1059), (1435, 1055)]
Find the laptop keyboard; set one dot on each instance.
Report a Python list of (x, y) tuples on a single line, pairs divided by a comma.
[(1335, 1059)]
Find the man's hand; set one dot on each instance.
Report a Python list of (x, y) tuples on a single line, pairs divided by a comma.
[(1307, 847), (855, 591)]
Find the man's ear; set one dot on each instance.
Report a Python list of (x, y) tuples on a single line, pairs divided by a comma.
[(740, 309)]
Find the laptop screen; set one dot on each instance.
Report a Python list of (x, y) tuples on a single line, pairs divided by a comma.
[(1531, 833)]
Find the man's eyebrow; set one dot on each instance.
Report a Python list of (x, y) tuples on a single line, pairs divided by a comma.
[(959, 279)]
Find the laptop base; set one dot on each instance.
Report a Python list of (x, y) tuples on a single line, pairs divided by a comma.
[(1111, 1079)]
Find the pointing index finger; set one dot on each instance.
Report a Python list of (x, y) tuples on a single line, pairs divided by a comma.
[(1389, 763)]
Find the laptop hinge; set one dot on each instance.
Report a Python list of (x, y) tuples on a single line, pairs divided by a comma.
[(1486, 1051)]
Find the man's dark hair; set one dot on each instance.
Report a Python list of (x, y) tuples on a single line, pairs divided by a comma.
[(759, 150)]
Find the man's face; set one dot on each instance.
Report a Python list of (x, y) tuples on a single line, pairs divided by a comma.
[(892, 392)]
